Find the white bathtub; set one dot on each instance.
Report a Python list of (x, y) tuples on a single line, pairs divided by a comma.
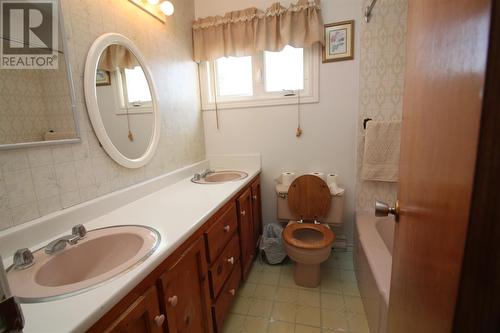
[(373, 262)]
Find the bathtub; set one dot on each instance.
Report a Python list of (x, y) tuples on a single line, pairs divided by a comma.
[(373, 262)]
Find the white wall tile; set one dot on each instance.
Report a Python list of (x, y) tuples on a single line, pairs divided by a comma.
[(44, 181), (24, 213), (19, 187), (49, 205)]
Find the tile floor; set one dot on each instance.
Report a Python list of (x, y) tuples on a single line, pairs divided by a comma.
[(270, 302)]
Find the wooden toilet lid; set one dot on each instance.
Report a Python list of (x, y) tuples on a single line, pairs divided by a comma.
[(309, 198), (290, 235)]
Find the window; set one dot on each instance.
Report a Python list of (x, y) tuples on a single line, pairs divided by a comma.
[(234, 76), (284, 70), (133, 88), (261, 80)]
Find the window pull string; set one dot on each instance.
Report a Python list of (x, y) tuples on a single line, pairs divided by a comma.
[(299, 129), (215, 96)]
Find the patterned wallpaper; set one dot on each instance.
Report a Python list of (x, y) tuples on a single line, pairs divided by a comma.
[(35, 182), (383, 49)]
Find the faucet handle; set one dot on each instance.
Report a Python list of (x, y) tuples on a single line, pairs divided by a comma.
[(79, 230), (23, 258)]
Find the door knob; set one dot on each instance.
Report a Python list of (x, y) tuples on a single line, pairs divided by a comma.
[(383, 209), (159, 320), (227, 228), (231, 260), (243, 213), (173, 300)]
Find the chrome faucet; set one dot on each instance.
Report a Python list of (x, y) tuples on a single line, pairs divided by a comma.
[(198, 176), (77, 233)]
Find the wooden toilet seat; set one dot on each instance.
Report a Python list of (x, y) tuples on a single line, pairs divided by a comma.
[(309, 198), (327, 239)]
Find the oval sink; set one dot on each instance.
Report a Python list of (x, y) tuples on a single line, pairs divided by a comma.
[(221, 177), (102, 255)]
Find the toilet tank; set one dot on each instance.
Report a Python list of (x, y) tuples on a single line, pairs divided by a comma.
[(333, 218)]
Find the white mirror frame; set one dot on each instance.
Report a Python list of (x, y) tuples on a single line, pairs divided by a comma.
[(91, 64)]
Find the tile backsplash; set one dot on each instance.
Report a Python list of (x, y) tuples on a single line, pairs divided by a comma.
[(38, 181), (382, 70)]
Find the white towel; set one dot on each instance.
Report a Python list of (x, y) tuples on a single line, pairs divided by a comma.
[(381, 157)]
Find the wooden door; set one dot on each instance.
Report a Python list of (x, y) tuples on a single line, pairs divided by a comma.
[(256, 211), (447, 48), (186, 293), (245, 222), (142, 316)]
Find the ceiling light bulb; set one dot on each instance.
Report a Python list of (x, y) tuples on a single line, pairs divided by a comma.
[(153, 2), (167, 8)]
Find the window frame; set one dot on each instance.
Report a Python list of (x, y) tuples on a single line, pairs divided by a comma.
[(310, 93), (121, 93)]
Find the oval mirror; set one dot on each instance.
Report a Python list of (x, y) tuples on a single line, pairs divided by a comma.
[(121, 100)]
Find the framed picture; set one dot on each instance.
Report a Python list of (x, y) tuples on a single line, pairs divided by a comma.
[(339, 41), (102, 78)]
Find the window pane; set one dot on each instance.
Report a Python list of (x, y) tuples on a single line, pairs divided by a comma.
[(284, 70), (137, 85), (234, 76)]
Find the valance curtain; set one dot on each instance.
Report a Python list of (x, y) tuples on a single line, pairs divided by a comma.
[(245, 32), (117, 56)]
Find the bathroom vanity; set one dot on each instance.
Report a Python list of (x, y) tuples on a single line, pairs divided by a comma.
[(193, 289)]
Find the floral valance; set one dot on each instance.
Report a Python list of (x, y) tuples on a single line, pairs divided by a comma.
[(245, 32)]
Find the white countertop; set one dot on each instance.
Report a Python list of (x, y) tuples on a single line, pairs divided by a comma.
[(176, 211)]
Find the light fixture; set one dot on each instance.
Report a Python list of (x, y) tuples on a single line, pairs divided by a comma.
[(167, 8), (160, 9)]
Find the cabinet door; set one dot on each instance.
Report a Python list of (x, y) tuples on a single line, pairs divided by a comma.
[(186, 294), (256, 210), (142, 316), (246, 231)]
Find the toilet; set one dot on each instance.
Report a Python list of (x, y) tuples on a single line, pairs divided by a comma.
[(308, 239)]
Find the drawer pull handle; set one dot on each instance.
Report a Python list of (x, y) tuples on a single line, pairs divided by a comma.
[(255, 197), (232, 292), (159, 320), (227, 228), (173, 300), (231, 260), (243, 213)]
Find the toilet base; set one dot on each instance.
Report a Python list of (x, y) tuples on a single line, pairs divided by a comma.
[(308, 276)]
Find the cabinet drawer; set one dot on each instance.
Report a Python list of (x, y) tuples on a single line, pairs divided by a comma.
[(221, 307), (219, 234), (224, 265)]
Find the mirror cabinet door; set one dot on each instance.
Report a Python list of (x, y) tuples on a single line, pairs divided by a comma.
[(37, 97)]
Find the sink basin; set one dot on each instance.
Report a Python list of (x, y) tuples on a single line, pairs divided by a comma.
[(221, 177), (102, 255)]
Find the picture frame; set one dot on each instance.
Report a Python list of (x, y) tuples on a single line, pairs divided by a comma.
[(339, 41), (102, 78)]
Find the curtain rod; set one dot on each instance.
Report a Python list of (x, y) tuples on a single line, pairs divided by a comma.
[(368, 10)]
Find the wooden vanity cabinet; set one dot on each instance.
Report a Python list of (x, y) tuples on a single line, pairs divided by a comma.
[(256, 210), (185, 292), (142, 316), (193, 289), (246, 227)]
